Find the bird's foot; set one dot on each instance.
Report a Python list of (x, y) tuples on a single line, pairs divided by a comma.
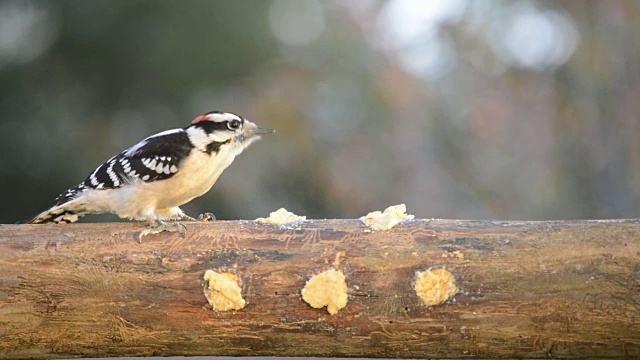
[(158, 226), (206, 217)]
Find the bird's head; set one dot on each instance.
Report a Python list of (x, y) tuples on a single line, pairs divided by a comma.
[(214, 129)]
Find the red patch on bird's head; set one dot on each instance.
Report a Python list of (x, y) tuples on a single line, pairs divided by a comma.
[(199, 118)]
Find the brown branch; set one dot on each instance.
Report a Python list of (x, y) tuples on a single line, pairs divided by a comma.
[(525, 289)]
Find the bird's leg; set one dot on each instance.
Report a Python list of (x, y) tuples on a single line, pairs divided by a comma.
[(158, 226)]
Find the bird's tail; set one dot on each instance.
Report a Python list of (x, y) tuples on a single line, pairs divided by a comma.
[(57, 214), (67, 208)]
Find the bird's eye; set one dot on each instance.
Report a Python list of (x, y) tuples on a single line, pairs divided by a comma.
[(233, 125)]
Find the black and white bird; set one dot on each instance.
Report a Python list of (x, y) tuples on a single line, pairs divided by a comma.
[(151, 179)]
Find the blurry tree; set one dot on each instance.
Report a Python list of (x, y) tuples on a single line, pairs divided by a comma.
[(462, 109)]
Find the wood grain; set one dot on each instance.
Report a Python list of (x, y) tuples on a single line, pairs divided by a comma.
[(527, 289)]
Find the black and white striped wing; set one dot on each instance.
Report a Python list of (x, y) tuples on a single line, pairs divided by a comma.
[(155, 158)]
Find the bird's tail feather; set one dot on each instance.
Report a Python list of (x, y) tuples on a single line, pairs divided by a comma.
[(57, 214)]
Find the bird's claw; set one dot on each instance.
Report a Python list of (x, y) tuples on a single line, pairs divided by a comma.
[(206, 217), (158, 226)]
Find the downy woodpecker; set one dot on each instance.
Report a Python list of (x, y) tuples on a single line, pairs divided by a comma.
[(151, 179)]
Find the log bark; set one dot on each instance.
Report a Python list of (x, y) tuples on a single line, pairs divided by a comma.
[(526, 289)]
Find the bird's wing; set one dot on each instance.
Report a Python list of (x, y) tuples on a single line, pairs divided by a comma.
[(157, 157)]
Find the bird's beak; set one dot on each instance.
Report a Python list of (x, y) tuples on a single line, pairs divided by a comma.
[(254, 129)]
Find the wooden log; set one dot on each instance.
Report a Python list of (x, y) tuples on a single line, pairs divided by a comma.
[(525, 289)]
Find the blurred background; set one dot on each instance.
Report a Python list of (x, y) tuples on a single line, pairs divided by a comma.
[(458, 108)]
